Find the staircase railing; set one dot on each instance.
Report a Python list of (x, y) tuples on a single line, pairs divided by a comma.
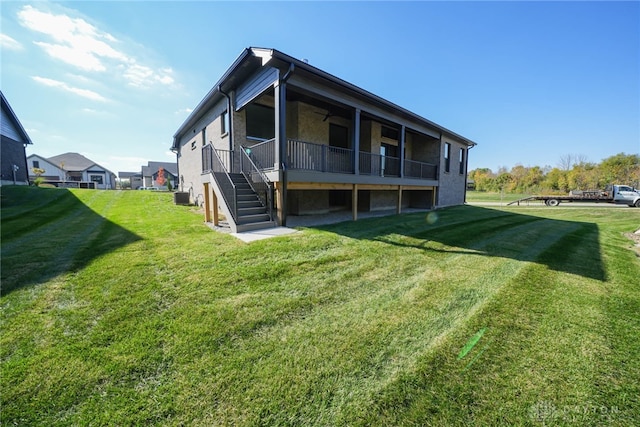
[(212, 163), (257, 180), (263, 154)]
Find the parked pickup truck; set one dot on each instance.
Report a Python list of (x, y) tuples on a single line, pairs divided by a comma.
[(619, 194)]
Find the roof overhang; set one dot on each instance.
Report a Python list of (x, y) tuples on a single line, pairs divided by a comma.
[(14, 119), (253, 58)]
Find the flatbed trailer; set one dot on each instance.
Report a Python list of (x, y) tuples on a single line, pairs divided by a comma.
[(618, 194)]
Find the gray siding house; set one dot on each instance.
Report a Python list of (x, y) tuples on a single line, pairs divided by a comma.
[(277, 137), (13, 142)]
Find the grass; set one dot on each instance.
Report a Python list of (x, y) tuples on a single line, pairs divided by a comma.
[(489, 196), (120, 308)]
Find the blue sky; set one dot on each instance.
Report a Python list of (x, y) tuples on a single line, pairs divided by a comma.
[(530, 82)]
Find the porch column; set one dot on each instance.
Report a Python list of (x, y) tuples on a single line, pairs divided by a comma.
[(399, 210), (401, 147), (356, 143), (280, 92)]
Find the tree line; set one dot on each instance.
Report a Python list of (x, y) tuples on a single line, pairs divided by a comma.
[(572, 173)]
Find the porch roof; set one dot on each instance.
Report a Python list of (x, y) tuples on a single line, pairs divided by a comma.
[(254, 57)]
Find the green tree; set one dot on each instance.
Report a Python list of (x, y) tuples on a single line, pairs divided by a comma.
[(621, 169)]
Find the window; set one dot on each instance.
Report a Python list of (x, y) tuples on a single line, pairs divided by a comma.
[(338, 136), (447, 157), (260, 122), (36, 164), (224, 123), (463, 153), (96, 178), (204, 136), (193, 145), (390, 133)]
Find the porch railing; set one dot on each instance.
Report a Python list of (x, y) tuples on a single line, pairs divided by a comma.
[(257, 180), (302, 155), (213, 163), (413, 169), (379, 165), (318, 157)]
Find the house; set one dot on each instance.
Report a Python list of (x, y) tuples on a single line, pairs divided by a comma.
[(72, 170), (132, 180), (156, 174), (13, 142), (276, 136)]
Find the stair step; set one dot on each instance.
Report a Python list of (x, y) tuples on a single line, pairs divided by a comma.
[(256, 226), (247, 197), (243, 212), (249, 204), (247, 219)]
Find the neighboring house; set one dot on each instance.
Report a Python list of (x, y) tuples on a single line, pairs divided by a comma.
[(131, 180), (13, 142), (152, 172), (72, 170), (276, 136)]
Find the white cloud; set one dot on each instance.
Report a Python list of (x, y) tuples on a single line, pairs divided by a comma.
[(85, 93), (72, 56), (9, 43), (82, 45), (184, 111)]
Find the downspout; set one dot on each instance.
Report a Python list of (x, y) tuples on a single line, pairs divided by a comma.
[(230, 115), (283, 150), (466, 173), (177, 185), (26, 164)]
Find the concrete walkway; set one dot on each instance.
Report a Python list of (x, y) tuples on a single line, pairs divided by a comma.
[(307, 221), (252, 236)]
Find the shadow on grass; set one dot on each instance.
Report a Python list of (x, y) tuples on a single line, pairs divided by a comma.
[(487, 232), (48, 232)]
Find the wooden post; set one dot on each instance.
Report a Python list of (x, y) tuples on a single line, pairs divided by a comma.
[(399, 211), (280, 202), (354, 201), (207, 203)]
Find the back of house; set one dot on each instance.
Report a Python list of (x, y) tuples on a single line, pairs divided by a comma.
[(277, 131)]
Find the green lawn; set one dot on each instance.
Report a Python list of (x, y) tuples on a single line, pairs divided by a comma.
[(120, 308), (488, 196)]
